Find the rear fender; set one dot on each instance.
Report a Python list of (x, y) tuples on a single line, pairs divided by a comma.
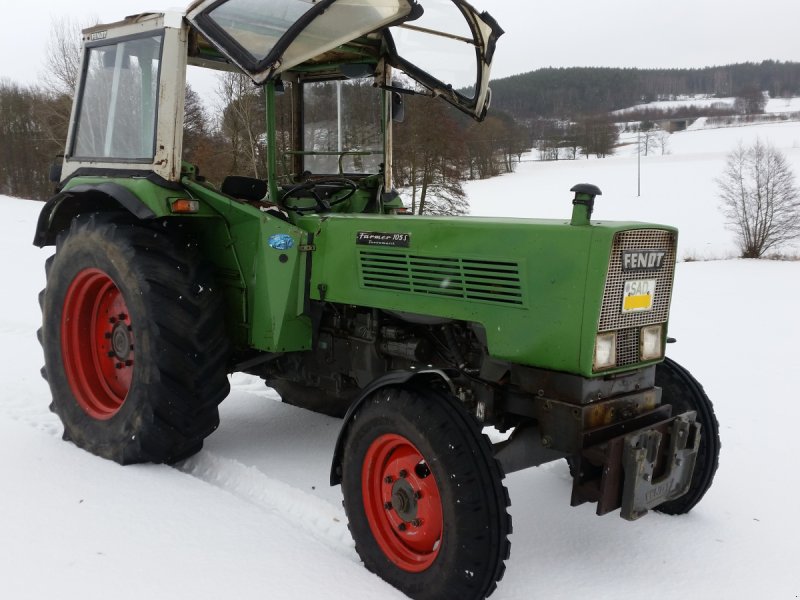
[(59, 211)]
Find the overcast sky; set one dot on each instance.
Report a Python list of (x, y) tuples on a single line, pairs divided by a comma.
[(539, 33)]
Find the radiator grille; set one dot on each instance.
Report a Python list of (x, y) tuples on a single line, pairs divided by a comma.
[(483, 280), (627, 325)]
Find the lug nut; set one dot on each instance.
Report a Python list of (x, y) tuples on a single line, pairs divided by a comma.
[(417, 495), (107, 335), (122, 316), (119, 365), (402, 527), (417, 522), (403, 473), (110, 353), (387, 505), (128, 363), (388, 479)]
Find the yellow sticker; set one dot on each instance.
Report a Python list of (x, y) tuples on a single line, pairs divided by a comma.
[(638, 295)]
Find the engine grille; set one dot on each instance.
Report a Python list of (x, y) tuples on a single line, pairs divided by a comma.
[(487, 281), (627, 325)]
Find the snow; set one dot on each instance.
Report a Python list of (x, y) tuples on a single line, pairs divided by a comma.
[(700, 101), (252, 516), (676, 188)]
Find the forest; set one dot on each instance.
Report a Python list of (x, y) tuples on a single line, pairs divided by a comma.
[(574, 91)]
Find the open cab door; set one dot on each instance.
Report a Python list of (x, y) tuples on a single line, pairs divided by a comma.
[(444, 45)]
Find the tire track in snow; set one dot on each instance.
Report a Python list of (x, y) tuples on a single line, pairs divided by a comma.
[(322, 520), (315, 516)]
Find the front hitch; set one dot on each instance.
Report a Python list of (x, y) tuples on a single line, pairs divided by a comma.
[(640, 470)]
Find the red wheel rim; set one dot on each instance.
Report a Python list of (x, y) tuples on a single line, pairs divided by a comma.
[(402, 503), (97, 343)]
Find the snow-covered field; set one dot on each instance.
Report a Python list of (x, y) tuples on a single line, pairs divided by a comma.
[(252, 516), (677, 188), (774, 105)]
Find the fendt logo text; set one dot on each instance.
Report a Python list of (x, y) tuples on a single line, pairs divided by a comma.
[(642, 260)]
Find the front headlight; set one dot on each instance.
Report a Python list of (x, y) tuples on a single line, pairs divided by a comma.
[(605, 350), (650, 342)]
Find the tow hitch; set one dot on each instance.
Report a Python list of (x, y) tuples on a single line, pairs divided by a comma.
[(639, 470)]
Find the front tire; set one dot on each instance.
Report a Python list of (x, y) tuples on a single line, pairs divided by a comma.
[(424, 496), (685, 393), (134, 343)]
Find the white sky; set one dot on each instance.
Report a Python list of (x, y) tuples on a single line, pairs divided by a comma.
[(539, 33)]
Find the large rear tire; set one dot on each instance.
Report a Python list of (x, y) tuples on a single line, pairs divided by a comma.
[(424, 496), (684, 393), (134, 342)]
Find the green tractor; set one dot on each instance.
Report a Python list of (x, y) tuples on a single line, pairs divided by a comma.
[(420, 331)]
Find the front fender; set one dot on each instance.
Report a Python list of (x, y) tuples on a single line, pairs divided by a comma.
[(395, 378)]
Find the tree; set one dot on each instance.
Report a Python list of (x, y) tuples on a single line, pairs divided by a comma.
[(597, 135), (242, 123), (429, 155), (63, 55), (750, 100), (760, 198), (62, 65)]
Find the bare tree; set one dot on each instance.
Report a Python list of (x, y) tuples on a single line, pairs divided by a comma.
[(750, 100), (242, 123), (760, 198), (662, 140), (57, 82), (63, 55), (429, 155)]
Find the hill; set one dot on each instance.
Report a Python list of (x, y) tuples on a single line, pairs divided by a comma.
[(568, 92)]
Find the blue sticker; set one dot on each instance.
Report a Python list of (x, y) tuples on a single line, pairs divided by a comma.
[(281, 241)]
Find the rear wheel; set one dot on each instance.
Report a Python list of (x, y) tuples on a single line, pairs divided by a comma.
[(684, 393), (424, 496), (134, 343)]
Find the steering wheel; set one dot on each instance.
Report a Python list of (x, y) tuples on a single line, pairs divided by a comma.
[(322, 205)]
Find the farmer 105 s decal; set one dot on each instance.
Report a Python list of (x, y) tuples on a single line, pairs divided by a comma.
[(418, 331)]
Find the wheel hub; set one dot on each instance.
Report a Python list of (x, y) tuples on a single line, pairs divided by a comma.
[(404, 500), (121, 341)]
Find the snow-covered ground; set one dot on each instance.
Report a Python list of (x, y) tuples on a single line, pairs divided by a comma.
[(677, 188), (774, 105), (252, 515)]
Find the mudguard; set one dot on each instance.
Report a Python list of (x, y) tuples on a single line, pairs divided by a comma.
[(61, 208), (390, 379)]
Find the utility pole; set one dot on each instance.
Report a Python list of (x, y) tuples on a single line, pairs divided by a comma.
[(639, 161)]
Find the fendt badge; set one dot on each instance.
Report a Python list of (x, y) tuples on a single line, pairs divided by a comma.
[(642, 260)]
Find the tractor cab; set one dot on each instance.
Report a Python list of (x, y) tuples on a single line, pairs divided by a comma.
[(333, 74), (329, 138)]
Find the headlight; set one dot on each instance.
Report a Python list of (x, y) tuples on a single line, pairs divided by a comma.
[(605, 350), (650, 342)]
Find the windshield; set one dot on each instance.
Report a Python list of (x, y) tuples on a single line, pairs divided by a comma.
[(343, 130), (441, 44)]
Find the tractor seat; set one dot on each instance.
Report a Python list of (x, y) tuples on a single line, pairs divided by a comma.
[(244, 188)]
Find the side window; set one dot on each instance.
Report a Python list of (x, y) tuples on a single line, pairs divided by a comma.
[(119, 101)]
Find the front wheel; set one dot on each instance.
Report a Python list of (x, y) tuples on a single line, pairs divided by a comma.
[(685, 393), (134, 343), (424, 496)]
